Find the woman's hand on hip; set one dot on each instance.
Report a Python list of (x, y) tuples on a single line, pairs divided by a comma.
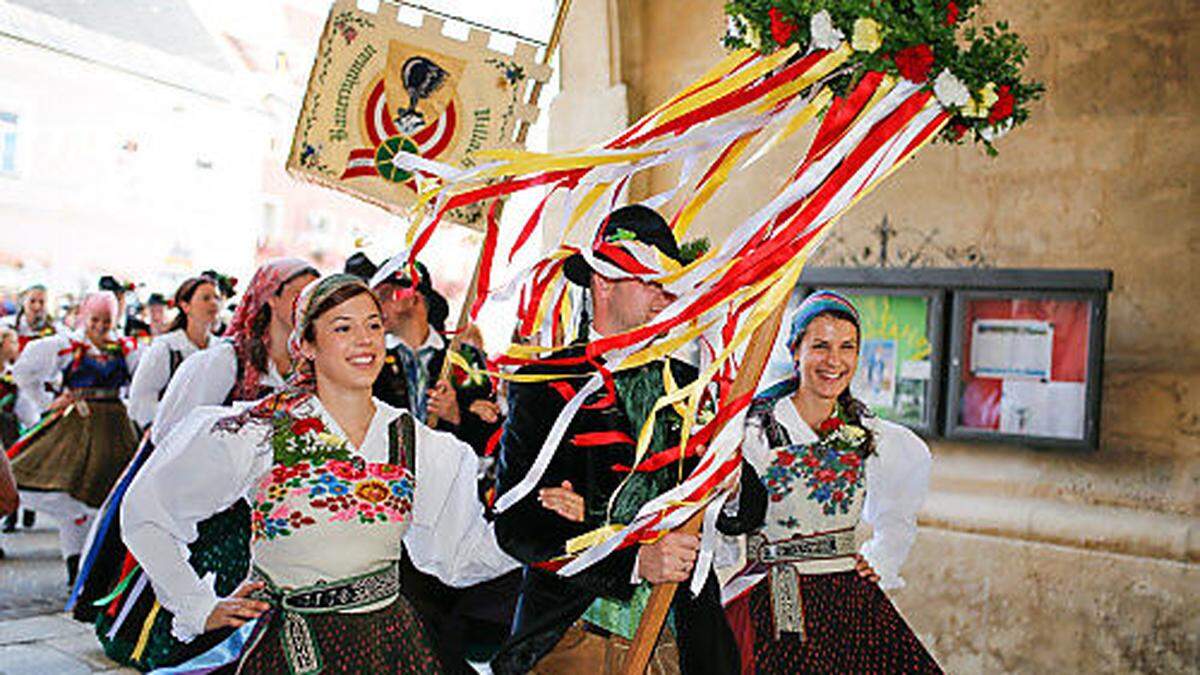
[(238, 608)]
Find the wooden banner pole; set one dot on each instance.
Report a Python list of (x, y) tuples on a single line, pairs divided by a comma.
[(655, 614), (464, 315)]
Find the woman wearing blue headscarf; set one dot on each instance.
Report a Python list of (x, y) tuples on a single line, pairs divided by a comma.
[(808, 600)]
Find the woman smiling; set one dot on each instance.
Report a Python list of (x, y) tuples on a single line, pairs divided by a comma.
[(68, 461), (807, 600), (197, 304), (336, 481)]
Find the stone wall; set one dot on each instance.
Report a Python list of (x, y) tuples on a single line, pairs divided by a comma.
[(1028, 560)]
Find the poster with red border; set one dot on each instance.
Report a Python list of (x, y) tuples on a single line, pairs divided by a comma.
[(1012, 400)]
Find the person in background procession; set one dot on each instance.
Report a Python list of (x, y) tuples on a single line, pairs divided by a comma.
[(327, 587), (32, 319), (124, 324), (807, 600), (10, 427), (415, 315), (10, 349), (248, 363), (156, 314), (196, 302), (68, 464), (103, 552)]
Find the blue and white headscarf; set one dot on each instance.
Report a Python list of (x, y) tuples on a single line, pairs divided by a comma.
[(818, 303)]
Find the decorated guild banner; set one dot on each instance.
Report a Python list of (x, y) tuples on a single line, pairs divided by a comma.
[(380, 87)]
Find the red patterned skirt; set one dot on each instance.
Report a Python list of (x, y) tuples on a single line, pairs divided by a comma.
[(387, 640), (850, 626)]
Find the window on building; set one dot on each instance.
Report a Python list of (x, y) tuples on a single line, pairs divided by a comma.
[(8, 142), (272, 216)]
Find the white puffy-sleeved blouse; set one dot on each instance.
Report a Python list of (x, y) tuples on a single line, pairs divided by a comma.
[(42, 363), (895, 481), (314, 518), (153, 373), (205, 378)]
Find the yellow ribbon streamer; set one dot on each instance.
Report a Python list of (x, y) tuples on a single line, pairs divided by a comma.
[(587, 540), (144, 638)]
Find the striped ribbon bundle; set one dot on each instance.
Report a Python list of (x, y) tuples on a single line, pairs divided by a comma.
[(722, 296)]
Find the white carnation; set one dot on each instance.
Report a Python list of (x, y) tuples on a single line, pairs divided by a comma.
[(824, 35), (950, 90), (993, 133)]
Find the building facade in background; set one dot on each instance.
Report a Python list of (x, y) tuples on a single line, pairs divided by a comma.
[(147, 138)]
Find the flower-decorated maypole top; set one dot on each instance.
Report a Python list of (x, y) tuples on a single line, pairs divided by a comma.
[(975, 73)]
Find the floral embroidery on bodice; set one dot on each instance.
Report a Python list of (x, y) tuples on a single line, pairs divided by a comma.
[(316, 478), (809, 485), (814, 487), (324, 510)]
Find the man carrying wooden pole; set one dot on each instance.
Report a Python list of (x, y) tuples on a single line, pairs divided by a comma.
[(585, 622)]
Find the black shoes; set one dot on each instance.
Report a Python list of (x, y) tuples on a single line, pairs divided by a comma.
[(72, 570), (28, 518)]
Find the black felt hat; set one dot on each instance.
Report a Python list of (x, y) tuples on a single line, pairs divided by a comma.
[(226, 285), (360, 266), (156, 298), (634, 222), (110, 283)]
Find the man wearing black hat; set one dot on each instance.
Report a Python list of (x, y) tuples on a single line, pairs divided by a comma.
[(414, 319), (586, 621), (156, 310)]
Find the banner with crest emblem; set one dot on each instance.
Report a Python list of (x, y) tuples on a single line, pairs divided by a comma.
[(381, 88)]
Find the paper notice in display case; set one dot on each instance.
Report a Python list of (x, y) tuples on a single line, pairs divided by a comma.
[(1052, 409), (1012, 348), (875, 380)]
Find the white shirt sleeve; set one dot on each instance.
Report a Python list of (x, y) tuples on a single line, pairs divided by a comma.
[(897, 483), (192, 475), (449, 537), (40, 363), (152, 374), (204, 378)]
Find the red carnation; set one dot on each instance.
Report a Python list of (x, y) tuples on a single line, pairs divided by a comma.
[(958, 129), (1003, 107), (781, 28), (951, 13), (303, 426), (826, 475), (831, 424), (915, 62)]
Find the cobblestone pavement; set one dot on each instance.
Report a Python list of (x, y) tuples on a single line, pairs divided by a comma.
[(36, 638), (33, 578)]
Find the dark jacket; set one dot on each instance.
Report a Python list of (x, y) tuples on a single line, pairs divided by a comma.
[(593, 459), (391, 387)]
